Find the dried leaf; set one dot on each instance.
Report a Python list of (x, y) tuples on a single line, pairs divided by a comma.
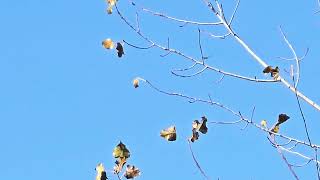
[(282, 118), (195, 135), (112, 2), (202, 127), (275, 73), (119, 165), (268, 69), (275, 129), (101, 173), (136, 83), (169, 134), (119, 48), (120, 151), (109, 10), (108, 44), (263, 123), (131, 172)]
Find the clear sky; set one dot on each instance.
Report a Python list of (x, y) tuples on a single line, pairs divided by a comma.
[(66, 102)]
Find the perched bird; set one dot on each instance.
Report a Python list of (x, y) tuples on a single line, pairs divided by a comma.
[(101, 173)]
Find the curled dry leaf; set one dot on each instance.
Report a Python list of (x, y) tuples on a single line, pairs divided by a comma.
[(131, 172), (136, 83), (119, 48), (195, 135), (169, 134), (119, 165), (202, 127), (282, 118), (268, 69), (108, 44), (263, 123), (101, 173), (273, 71), (120, 151)]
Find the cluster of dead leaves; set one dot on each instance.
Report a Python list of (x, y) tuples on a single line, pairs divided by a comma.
[(198, 127), (276, 127), (109, 44), (121, 153), (274, 72), (170, 134)]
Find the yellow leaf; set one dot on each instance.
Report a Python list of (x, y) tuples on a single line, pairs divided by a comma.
[(131, 172), (275, 129), (120, 151), (108, 44), (101, 173), (169, 134), (136, 83), (263, 123)]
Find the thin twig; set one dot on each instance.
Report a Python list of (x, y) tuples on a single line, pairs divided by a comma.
[(196, 162), (234, 12), (255, 56), (200, 47), (180, 20), (191, 75), (214, 103), (294, 55), (138, 47)]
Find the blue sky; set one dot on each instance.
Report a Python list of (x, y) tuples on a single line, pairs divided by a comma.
[(65, 102)]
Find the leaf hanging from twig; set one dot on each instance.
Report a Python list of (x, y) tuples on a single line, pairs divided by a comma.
[(101, 173), (120, 50), (120, 151), (195, 135), (136, 83), (108, 44), (169, 134), (131, 172), (282, 118)]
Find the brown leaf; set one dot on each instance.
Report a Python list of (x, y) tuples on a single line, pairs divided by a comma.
[(131, 172), (268, 69), (119, 165), (169, 134), (119, 48), (195, 135), (202, 127), (282, 118)]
